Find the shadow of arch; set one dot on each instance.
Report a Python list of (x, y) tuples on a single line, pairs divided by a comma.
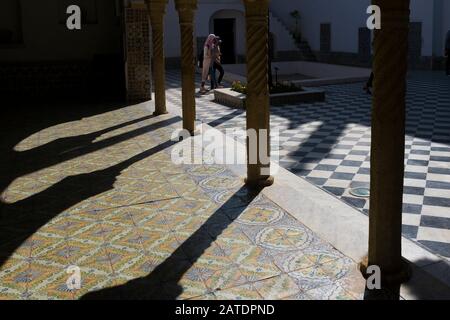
[(162, 282), (21, 219)]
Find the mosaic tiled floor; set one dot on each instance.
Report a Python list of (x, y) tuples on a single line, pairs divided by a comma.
[(329, 144), (104, 196)]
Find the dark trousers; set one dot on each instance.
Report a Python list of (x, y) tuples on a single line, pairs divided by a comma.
[(218, 66), (212, 74)]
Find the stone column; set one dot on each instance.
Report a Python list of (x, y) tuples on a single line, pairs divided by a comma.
[(186, 10), (257, 104), (157, 10), (388, 141)]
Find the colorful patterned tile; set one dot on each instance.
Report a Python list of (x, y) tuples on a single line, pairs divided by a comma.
[(9, 294), (64, 226), (140, 266), (220, 279), (254, 262), (31, 276), (97, 262), (208, 296), (259, 215), (211, 260), (177, 221), (191, 285), (243, 292), (13, 274), (276, 287), (306, 258), (125, 262), (321, 275), (195, 194), (17, 247), (189, 225), (90, 283), (160, 223), (95, 233), (329, 292), (165, 246), (220, 183), (281, 238), (129, 241), (298, 296), (205, 171), (353, 282), (191, 206)]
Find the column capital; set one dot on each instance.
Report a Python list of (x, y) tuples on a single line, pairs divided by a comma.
[(186, 5), (156, 9), (186, 10), (256, 7)]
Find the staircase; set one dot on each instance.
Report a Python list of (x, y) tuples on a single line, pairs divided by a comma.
[(276, 24)]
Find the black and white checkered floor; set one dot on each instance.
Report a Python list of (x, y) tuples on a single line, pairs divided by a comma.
[(328, 143)]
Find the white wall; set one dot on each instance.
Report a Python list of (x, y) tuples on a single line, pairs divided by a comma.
[(346, 17), (240, 27), (206, 8), (422, 11)]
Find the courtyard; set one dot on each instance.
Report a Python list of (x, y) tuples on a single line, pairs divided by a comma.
[(95, 204), (101, 193), (96, 188), (328, 144)]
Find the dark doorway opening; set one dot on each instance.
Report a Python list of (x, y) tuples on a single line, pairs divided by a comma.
[(415, 44), (225, 29)]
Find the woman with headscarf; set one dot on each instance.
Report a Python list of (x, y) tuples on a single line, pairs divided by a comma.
[(447, 52), (208, 49)]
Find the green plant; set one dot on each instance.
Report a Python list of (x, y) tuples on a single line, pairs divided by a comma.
[(239, 87), (296, 16)]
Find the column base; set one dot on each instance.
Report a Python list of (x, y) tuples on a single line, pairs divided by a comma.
[(259, 183), (196, 132), (389, 279), (159, 113)]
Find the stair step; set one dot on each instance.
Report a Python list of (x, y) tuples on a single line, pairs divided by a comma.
[(303, 45)]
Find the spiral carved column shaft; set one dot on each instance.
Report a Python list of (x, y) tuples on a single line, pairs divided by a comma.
[(186, 9), (157, 10), (257, 104), (388, 140)]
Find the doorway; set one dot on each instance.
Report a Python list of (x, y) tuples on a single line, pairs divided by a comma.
[(415, 44), (225, 29)]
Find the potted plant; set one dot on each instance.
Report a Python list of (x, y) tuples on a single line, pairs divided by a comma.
[(296, 16)]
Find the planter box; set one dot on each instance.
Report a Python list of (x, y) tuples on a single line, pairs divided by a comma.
[(235, 99)]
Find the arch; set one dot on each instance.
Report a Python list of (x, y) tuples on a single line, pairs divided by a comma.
[(236, 35)]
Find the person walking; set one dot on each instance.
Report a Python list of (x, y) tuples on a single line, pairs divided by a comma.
[(447, 52), (218, 64), (207, 60)]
